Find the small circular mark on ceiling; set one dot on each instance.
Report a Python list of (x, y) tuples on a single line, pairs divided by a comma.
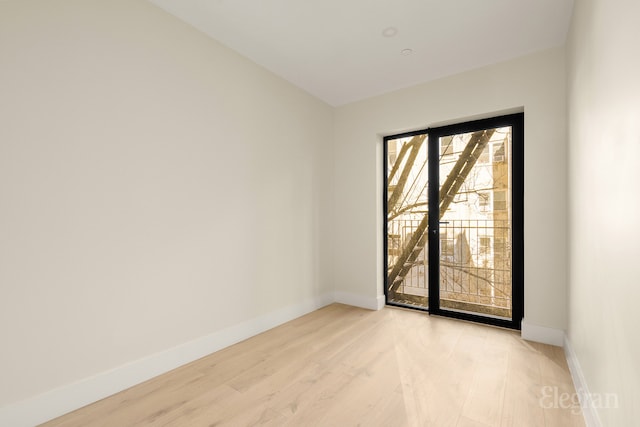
[(389, 31)]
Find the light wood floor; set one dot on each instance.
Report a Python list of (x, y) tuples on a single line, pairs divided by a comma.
[(344, 366)]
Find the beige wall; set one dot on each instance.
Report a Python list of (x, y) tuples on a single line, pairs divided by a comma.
[(604, 208), (535, 82), (155, 187)]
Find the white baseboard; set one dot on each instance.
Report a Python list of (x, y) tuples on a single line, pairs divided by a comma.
[(68, 398), (589, 410), (369, 303), (542, 334)]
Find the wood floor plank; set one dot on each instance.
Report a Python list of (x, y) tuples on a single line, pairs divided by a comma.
[(346, 366), (486, 397)]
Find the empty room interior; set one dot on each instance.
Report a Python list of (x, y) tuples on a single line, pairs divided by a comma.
[(324, 213)]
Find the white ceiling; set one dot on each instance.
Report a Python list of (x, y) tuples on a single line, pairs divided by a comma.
[(336, 50)]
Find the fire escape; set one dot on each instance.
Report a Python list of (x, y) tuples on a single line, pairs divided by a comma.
[(398, 200)]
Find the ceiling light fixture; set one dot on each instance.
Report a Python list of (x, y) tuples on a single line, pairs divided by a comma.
[(389, 31)]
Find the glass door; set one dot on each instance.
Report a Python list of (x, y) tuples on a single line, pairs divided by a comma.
[(455, 248), (407, 209)]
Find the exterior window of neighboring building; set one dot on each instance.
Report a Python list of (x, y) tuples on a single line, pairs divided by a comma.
[(499, 200), (499, 246), (392, 150), (484, 156), (446, 247), (485, 245), (446, 146), (498, 152), (483, 200)]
